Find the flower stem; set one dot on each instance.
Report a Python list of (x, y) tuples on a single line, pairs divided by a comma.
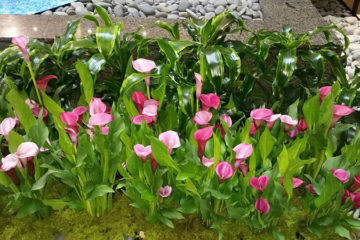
[(34, 81), (148, 91)]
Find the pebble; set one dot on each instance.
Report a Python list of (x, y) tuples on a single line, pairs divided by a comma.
[(173, 7), (161, 14), (194, 2), (81, 11), (48, 12), (60, 13), (209, 15), (133, 12), (183, 5), (192, 14), (172, 16), (90, 7), (219, 9), (220, 2), (146, 8), (183, 14), (119, 11)]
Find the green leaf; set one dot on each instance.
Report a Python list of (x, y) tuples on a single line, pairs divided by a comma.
[(161, 154), (106, 38), (21, 108), (266, 144), (311, 110), (55, 204), (283, 161), (342, 232), (40, 183), (5, 180), (51, 106), (168, 50), (172, 30), (134, 79), (92, 18), (96, 63), (330, 188), (28, 207), (38, 133), (99, 191), (215, 66), (285, 67), (86, 80), (69, 34), (104, 16), (316, 61), (172, 214), (166, 221), (336, 66), (15, 140)]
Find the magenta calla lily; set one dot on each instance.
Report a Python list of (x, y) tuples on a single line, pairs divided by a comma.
[(100, 119), (139, 99), (340, 174), (6, 126), (324, 91), (302, 126), (170, 139), (137, 120), (288, 121), (142, 152), (96, 106), (294, 132), (296, 182), (253, 129), (260, 114), (21, 42), (73, 133), (79, 110), (43, 81), (198, 84), (224, 170), (355, 198), (243, 150), (165, 192), (340, 111), (207, 162), (24, 153), (259, 183), (202, 136), (242, 166), (356, 184), (311, 188), (35, 108), (202, 117), (262, 206), (210, 100), (144, 66), (227, 119), (69, 118)]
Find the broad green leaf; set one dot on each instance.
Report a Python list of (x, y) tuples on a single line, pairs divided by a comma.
[(104, 16), (317, 62), (15, 140), (86, 80), (311, 110), (336, 66), (92, 18), (168, 50), (69, 34), (266, 144), (96, 63), (215, 66), (55, 204), (285, 67), (38, 133), (172, 30), (172, 214), (99, 191), (330, 188), (134, 79), (5, 180), (106, 38), (283, 161), (342, 232), (51, 106), (161, 154)]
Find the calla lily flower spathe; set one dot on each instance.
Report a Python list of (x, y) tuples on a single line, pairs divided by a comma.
[(202, 117), (311, 188), (43, 81), (227, 119), (170, 139), (324, 91), (144, 66), (142, 152), (25, 152), (201, 136), (288, 121), (198, 85), (260, 114), (207, 162), (259, 183), (243, 150), (296, 182), (224, 170), (262, 206), (69, 118), (21, 42), (150, 109), (356, 184), (165, 192), (139, 99), (209, 100), (340, 111), (341, 175), (6, 126), (270, 123)]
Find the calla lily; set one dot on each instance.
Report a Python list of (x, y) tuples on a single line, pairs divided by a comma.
[(96, 106), (11, 173), (104, 130), (31, 103), (25, 152), (73, 134), (262, 205), (201, 136), (311, 188), (69, 118), (356, 184), (355, 198), (340, 111), (21, 42), (165, 191), (139, 98), (43, 81), (142, 152), (345, 196), (259, 183), (341, 175), (224, 170), (252, 129), (324, 91), (9, 162), (144, 66), (294, 132), (270, 123), (153, 162), (79, 110), (207, 162), (209, 100), (170, 139), (27, 149), (243, 150), (241, 164), (198, 85), (302, 126), (35, 108), (150, 109), (227, 119), (288, 121), (6, 126), (137, 120), (100, 119), (202, 117), (296, 182), (260, 114)]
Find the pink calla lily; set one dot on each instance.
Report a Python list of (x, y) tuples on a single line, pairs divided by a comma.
[(242, 166), (288, 121), (252, 129), (21, 42), (6, 126), (9, 162), (224, 170), (198, 84), (324, 91), (79, 110), (139, 99), (210, 100), (96, 105), (100, 119), (227, 119), (144, 66), (355, 198), (294, 132), (270, 123), (201, 136), (165, 192), (296, 182), (302, 126), (341, 175), (345, 196), (262, 206), (27, 150), (69, 118), (137, 120), (73, 133), (243, 150), (43, 81), (356, 184), (142, 152), (150, 109), (259, 183), (170, 139), (31, 103), (202, 117), (207, 162), (311, 188), (260, 114), (35, 108), (340, 111)]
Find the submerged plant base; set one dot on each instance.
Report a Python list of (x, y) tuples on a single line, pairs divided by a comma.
[(124, 220)]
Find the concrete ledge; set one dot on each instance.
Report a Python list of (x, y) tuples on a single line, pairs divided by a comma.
[(302, 16)]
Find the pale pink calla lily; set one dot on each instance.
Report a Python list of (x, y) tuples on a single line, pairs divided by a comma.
[(79, 110), (198, 85), (296, 182), (324, 91), (294, 132), (137, 120), (21, 42), (73, 134), (150, 109), (227, 119), (144, 66), (341, 175), (311, 188), (43, 81), (207, 162), (35, 108), (100, 119), (27, 150), (105, 130), (31, 103), (270, 123), (165, 191), (201, 136), (260, 114), (243, 150), (288, 121), (262, 206), (170, 139), (139, 99), (6, 126), (142, 152), (96, 106), (224, 170), (69, 118), (259, 183), (210, 100), (9, 162), (202, 117), (356, 184), (242, 166), (340, 111)]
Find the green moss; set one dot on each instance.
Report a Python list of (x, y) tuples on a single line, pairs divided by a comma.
[(125, 220)]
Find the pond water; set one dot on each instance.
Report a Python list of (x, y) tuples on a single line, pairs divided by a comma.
[(25, 7)]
